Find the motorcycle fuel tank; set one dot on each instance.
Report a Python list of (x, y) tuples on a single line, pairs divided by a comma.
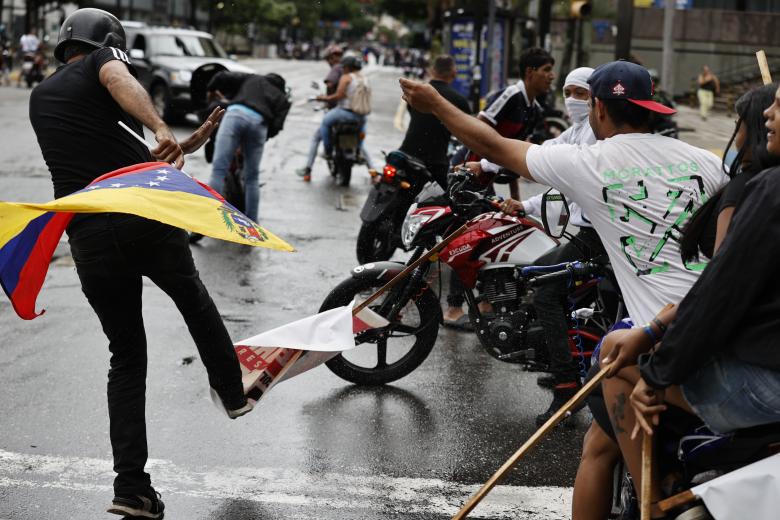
[(495, 239)]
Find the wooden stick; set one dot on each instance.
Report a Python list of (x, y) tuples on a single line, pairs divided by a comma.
[(647, 477), (400, 276), (562, 413), (763, 65), (677, 500)]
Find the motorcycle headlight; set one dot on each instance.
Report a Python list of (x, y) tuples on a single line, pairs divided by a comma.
[(181, 77), (411, 226)]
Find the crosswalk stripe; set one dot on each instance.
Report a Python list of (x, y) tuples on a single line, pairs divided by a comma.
[(289, 487)]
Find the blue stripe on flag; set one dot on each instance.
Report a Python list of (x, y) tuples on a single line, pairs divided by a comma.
[(15, 252)]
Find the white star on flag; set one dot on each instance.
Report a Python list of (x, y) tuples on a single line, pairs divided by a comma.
[(93, 187), (163, 171), (161, 178), (152, 183), (117, 185)]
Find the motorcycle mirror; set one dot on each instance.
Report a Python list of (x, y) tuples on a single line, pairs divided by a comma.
[(555, 213)]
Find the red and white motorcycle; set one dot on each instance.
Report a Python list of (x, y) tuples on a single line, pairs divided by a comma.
[(488, 258)]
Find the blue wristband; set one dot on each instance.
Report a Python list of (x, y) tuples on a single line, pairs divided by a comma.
[(650, 333)]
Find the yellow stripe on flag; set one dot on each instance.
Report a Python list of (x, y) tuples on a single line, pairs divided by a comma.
[(184, 210)]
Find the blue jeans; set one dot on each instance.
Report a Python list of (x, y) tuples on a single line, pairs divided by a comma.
[(337, 115), (315, 143), (245, 128), (729, 394)]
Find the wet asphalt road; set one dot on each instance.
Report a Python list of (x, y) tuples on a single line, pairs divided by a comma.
[(317, 447)]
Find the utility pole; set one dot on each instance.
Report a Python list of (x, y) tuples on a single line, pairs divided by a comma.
[(625, 21), (545, 10), (667, 60), (491, 31)]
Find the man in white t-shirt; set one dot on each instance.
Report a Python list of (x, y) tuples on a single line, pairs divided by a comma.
[(637, 188)]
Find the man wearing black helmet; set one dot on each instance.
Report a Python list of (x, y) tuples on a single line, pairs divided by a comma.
[(74, 113), (257, 110)]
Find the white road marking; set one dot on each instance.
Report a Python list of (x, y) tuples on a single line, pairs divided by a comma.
[(278, 486)]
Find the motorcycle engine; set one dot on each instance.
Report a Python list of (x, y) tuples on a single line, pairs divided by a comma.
[(509, 332)]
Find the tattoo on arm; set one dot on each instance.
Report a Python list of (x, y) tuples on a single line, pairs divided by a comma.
[(619, 412)]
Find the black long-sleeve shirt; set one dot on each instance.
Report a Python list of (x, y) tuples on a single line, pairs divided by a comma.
[(255, 92), (734, 307)]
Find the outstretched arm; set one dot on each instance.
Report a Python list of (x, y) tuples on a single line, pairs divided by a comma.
[(478, 136), (134, 100)]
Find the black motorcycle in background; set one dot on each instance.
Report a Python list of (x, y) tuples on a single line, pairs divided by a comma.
[(383, 213), (347, 138)]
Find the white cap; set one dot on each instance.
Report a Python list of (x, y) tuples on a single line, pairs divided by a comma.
[(579, 77)]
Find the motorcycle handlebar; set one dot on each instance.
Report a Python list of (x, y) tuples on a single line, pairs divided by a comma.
[(567, 271)]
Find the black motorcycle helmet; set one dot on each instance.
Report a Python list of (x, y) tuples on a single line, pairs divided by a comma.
[(353, 62), (91, 26)]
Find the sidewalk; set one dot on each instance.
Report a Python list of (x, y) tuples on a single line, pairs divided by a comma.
[(712, 134)]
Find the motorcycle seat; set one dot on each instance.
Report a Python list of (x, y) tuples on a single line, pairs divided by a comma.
[(397, 157), (713, 451)]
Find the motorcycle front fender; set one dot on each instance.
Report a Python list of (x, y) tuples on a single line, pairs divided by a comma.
[(383, 271)]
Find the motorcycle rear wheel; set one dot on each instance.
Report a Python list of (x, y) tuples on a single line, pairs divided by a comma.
[(343, 172), (423, 328), (376, 241)]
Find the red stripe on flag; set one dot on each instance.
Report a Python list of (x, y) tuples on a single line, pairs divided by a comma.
[(33, 273)]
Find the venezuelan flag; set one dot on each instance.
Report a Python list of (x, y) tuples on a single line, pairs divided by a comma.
[(29, 233)]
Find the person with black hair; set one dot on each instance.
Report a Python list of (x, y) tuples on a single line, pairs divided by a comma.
[(637, 189), (74, 114), (257, 108), (514, 113), (717, 348), (426, 138)]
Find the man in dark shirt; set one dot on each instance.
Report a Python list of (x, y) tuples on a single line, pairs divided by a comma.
[(74, 113), (427, 138), (257, 110), (515, 112), (333, 55)]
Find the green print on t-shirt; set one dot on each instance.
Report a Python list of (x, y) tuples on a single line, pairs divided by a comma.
[(636, 251), (634, 172)]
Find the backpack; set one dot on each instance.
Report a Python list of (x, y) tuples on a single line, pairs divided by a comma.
[(360, 101)]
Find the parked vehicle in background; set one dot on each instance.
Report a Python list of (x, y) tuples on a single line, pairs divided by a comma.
[(166, 57)]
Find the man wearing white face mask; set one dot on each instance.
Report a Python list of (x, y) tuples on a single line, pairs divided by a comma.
[(550, 300)]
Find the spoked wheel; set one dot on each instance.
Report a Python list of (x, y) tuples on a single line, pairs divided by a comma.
[(376, 241), (390, 353)]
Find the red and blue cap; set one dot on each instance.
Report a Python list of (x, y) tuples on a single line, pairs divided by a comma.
[(626, 80)]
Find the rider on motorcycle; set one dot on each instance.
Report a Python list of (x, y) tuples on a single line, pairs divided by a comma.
[(718, 358), (338, 102), (514, 113), (550, 300), (623, 184), (426, 138), (333, 55)]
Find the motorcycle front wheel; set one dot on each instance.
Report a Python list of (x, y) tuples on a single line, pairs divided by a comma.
[(376, 241), (385, 355)]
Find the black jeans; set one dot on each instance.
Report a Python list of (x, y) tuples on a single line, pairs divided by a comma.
[(112, 252), (550, 301)]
